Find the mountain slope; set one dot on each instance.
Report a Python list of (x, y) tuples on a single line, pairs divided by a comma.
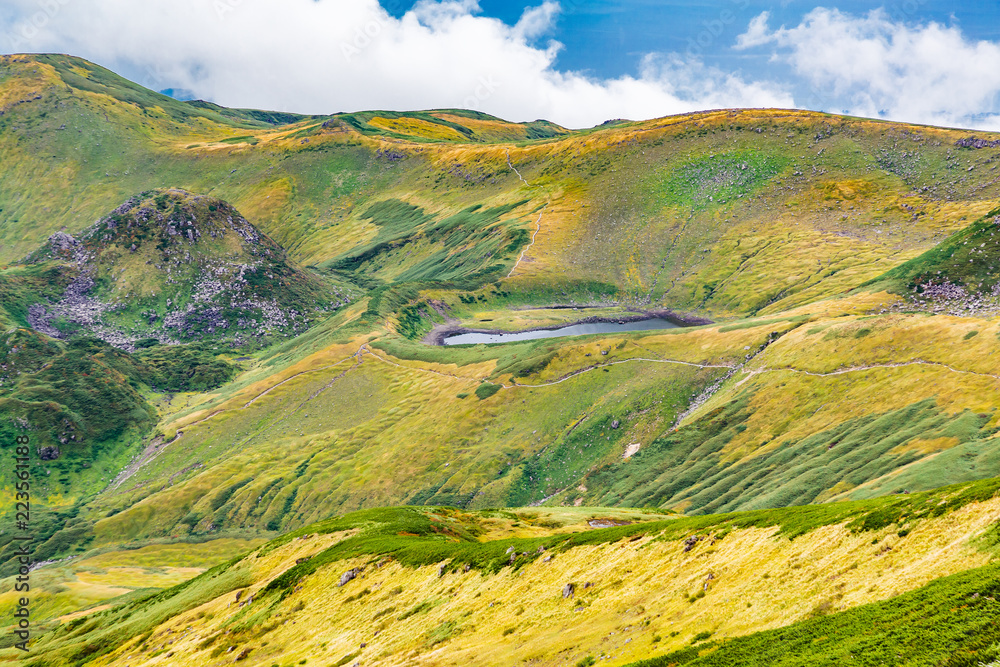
[(815, 252), (683, 212), (441, 586), (170, 266)]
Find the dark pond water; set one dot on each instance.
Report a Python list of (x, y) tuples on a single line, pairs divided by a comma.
[(571, 330)]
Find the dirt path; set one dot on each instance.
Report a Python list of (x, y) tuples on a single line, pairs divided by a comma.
[(158, 445), (860, 369), (151, 451), (288, 379), (538, 221), (538, 228), (514, 169)]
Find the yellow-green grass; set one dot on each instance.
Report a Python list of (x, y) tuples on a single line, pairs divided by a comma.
[(381, 432), (621, 220), (852, 358), (265, 427), (636, 594), (610, 213), (416, 127), (827, 374), (73, 586), (384, 431), (488, 129)]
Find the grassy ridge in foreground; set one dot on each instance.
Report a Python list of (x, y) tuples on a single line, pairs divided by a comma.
[(415, 539), (412, 567), (952, 622)]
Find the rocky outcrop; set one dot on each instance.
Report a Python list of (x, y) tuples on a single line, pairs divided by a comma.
[(174, 267), (49, 453), (973, 142)]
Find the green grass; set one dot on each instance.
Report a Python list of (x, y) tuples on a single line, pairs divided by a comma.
[(87, 638), (707, 181), (194, 367), (414, 247), (688, 465), (485, 390), (22, 286), (951, 622), (85, 402), (424, 536), (249, 139), (969, 258)]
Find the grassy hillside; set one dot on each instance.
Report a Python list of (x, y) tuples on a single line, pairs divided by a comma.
[(443, 586), (683, 212), (952, 621), (168, 266), (959, 276), (242, 349)]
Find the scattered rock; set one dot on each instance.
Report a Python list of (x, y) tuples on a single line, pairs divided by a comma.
[(607, 523), (348, 576), (232, 295), (690, 542), (972, 142), (569, 590), (48, 453)]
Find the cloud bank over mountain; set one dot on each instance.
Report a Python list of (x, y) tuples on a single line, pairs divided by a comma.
[(926, 73), (339, 55)]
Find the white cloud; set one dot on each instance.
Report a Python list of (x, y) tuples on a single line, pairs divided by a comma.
[(323, 56), (757, 32), (537, 21), (873, 66)]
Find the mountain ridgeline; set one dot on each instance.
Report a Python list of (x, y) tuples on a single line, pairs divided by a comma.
[(245, 433)]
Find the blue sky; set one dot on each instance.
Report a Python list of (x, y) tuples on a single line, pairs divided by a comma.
[(576, 62), (608, 39)]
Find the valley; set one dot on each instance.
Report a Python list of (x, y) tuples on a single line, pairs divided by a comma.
[(222, 328)]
